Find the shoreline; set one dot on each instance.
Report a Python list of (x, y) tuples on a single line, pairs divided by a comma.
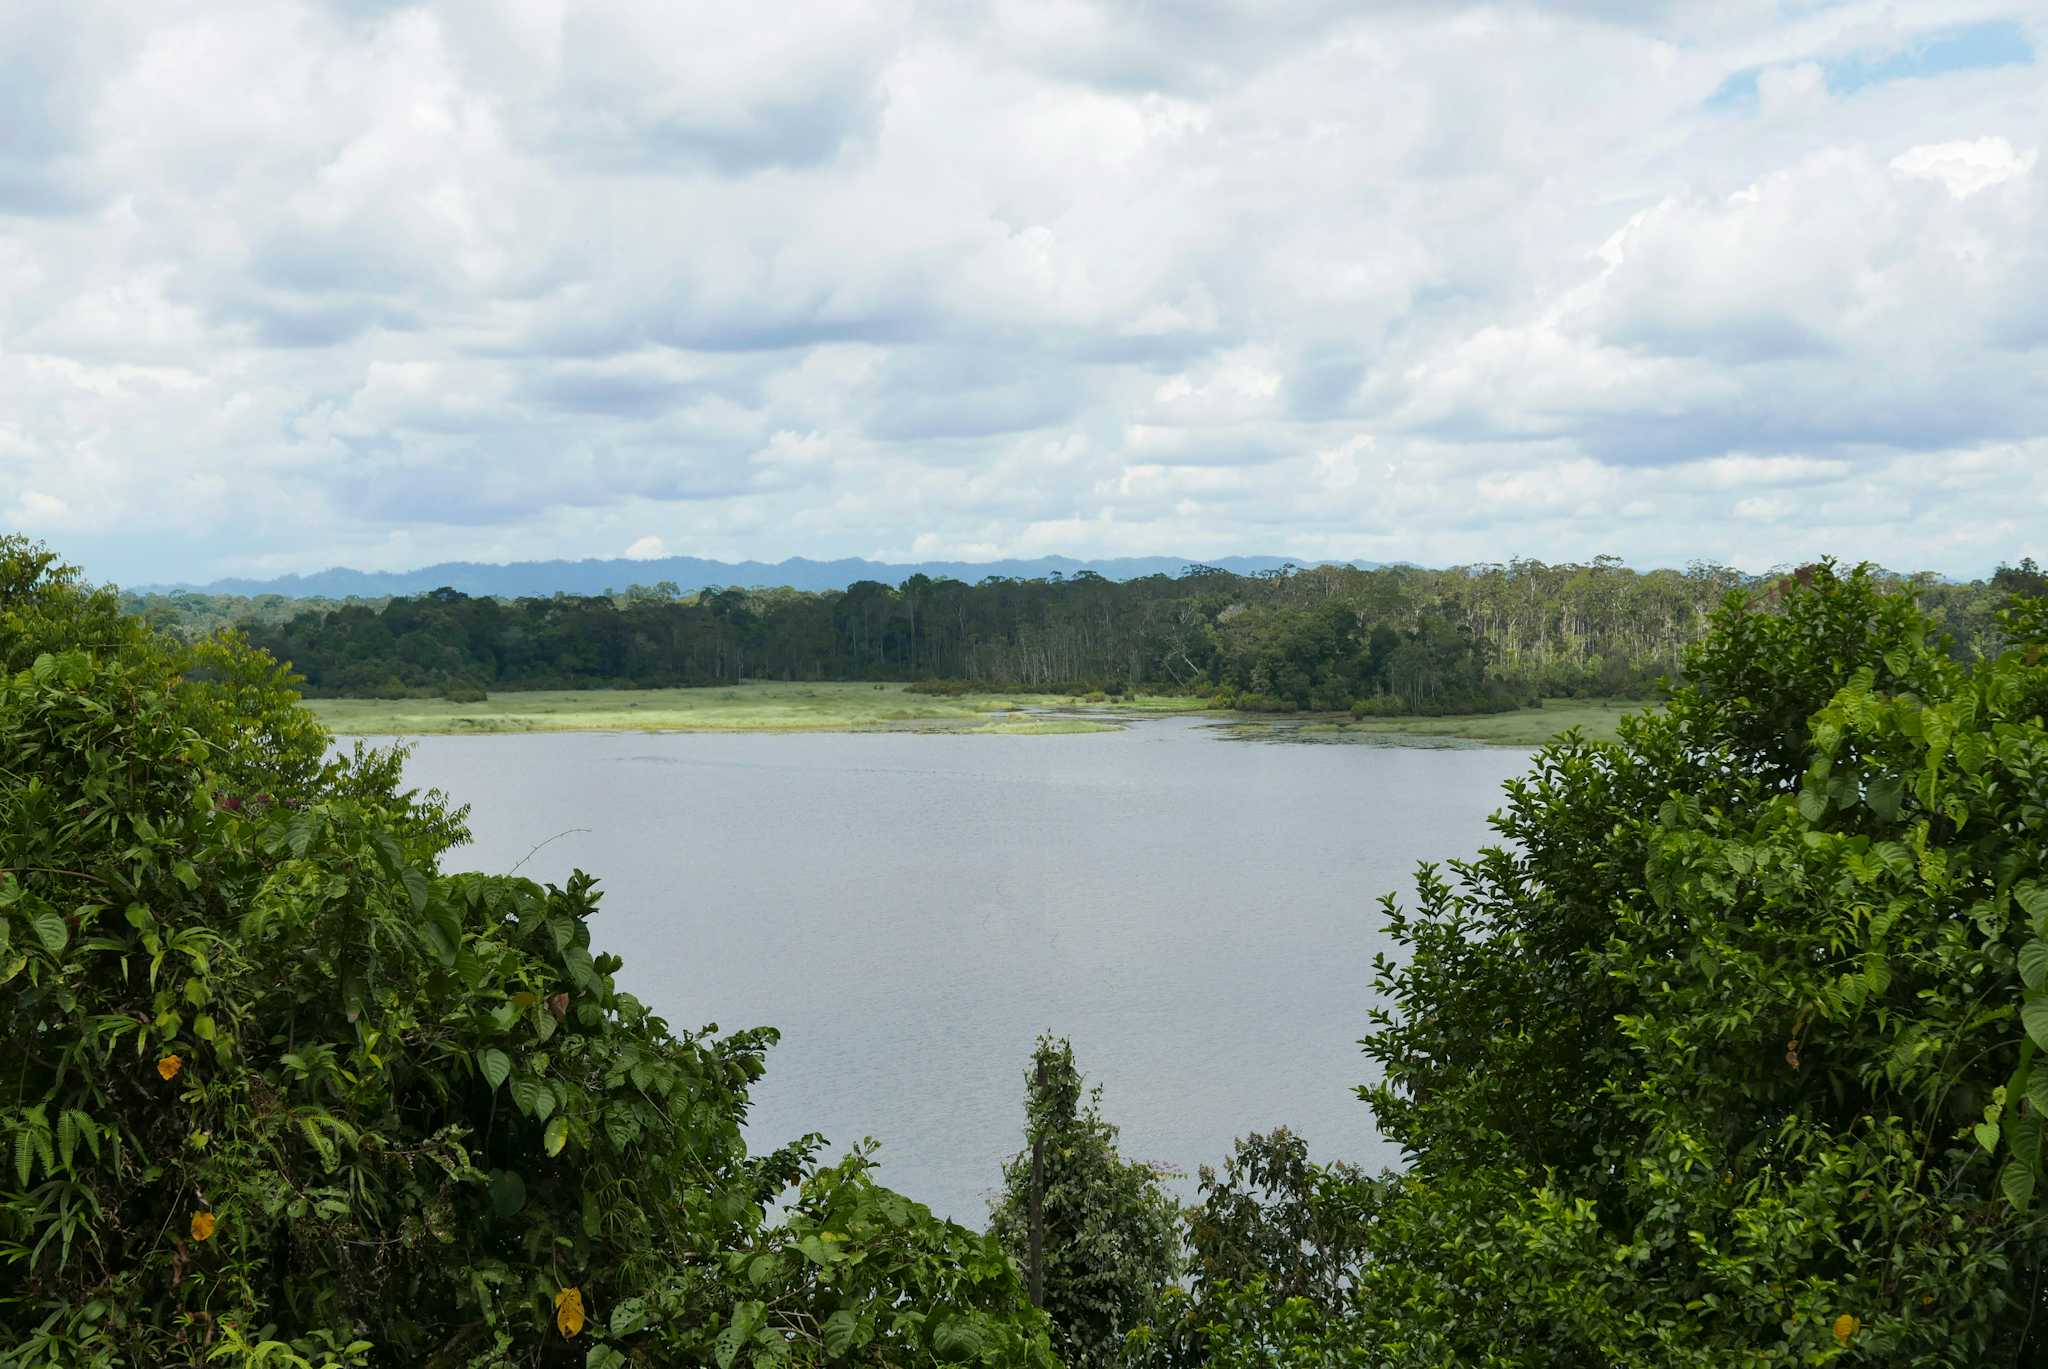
[(779, 708)]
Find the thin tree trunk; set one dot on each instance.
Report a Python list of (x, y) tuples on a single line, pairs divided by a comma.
[(1038, 1199)]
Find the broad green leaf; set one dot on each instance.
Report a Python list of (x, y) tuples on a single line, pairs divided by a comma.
[(959, 1336), (603, 1356), (508, 1192), (1935, 730), (417, 888), (544, 1103), (629, 1316), (2018, 1183), (388, 854), (838, 1332), (2034, 964), (2034, 1016), (563, 931), (746, 1318), (50, 929), (1886, 796), (526, 1092), (441, 930), (2033, 898), (1987, 1136), (556, 1136), (435, 939), (494, 1065)]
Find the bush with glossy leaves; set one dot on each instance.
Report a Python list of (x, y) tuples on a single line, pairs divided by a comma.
[(274, 1090), (1728, 1055), (1110, 1245)]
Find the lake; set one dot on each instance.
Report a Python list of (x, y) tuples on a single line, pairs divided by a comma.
[(1197, 914)]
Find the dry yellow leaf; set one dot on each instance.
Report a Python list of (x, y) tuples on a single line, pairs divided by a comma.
[(202, 1226), (569, 1311), (169, 1066), (1845, 1327)]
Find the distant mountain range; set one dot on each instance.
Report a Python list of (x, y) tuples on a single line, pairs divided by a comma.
[(523, 578)]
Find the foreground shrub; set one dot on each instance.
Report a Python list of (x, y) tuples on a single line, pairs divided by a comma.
[(275, 1090), (1109, 1245), (1729, 1056), (1274, 1242)]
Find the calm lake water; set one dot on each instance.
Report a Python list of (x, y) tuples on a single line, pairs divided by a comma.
[(1197, 914)]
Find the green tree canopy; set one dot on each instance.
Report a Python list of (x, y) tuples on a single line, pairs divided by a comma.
[(276, 1090), (1727, 1055), (1108, 1243)]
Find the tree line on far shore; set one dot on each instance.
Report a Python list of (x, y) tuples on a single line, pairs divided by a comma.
[(1397, 640)]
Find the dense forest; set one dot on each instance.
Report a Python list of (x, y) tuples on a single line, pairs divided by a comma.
[(1392, 640), (1728, 1053)]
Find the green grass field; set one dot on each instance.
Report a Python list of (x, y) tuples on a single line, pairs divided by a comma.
[(1523, 727), (762, 707), (1042, 727)]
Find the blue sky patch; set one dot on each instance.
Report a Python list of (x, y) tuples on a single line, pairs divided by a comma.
[(1971, 47)]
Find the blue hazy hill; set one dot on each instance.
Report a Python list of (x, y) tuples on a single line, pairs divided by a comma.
[(522, 578)]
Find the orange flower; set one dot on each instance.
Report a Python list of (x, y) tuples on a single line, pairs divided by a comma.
[(1845, 1327), (169, 1066), (202, 1226), (569, 1310)]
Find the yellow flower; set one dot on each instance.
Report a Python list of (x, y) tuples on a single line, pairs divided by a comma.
[(569, 1310), (1845, 1327), (169, 1066), (202, 1226)]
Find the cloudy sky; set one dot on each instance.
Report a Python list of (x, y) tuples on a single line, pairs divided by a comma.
[(290, 285)]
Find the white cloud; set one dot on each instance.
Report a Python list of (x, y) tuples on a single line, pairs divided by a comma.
[(647, 548), (1738, 471), (39, 512), (289, 283), (1966, 167)]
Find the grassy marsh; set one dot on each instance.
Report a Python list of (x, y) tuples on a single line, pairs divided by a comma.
[(1596, 718), (753, 707), (779, 707)]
